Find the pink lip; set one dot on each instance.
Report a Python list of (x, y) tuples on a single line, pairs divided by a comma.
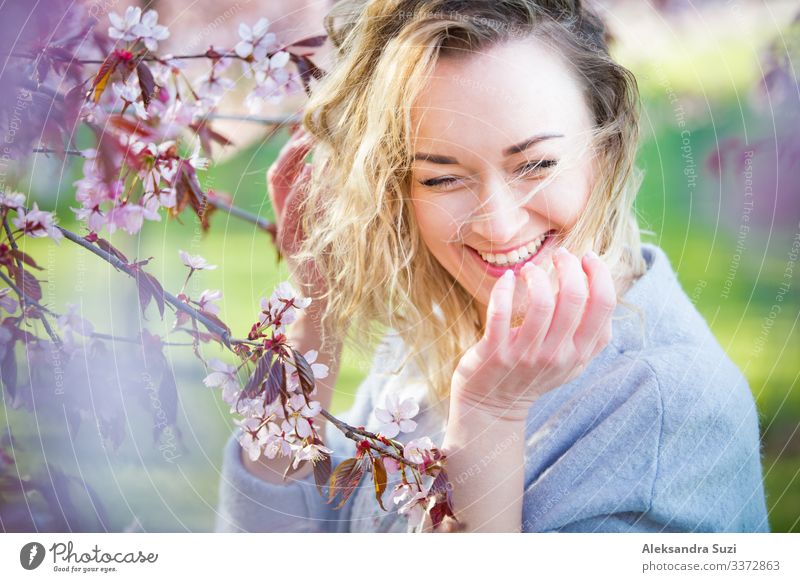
[(509, 249), (537, 258)]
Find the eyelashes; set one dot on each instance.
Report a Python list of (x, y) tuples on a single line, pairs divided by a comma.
[(527, 170)]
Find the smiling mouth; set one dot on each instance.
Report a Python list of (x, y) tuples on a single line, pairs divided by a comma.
[(518, 256)]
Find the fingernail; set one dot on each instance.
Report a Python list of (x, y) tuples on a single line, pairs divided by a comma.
[(509, 274), (562, 251), (591, 254)]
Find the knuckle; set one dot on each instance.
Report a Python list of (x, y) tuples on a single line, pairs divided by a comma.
[(573, 295)]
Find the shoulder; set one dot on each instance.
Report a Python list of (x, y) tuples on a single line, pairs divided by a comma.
[(660, 328)]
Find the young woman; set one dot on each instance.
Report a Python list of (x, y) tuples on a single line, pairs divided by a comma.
[(471, 192)]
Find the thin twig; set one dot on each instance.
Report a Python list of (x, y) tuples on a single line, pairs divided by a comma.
[(353, 433), (171, 299)]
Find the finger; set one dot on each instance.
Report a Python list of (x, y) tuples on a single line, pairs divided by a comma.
[(539, 311), (570, 303), (498, 313), (290, 230), (283, 173), (599, 307)]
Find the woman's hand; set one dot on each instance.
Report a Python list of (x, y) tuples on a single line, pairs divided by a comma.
[(509, 368), (287, 179)]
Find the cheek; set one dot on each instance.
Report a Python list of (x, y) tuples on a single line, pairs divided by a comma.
[(563, 203), (438, 222)]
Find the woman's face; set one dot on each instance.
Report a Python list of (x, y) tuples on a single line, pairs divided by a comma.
[(488, 129)]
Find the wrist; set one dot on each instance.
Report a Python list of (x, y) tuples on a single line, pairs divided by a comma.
[(488, 409), (467, 422)]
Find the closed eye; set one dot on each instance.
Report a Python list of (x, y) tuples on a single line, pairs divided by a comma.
[(524, 171)]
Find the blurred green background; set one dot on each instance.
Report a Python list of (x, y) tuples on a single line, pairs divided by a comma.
[(697, 227)]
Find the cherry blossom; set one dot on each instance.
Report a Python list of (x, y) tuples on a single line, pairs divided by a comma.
[(129, 92), (271, 77), (206, 301), (256, 41), (300, 414), (272, 307), (12, 199), (396, 416), (195, 262), (129, 217), (150, 31), (311, 452), (37, 223), (417, 450), (122, 27), (413, 502), (223, 376), (278, 443), (253, 436)]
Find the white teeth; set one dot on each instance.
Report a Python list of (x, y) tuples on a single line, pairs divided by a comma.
[(516, 255)]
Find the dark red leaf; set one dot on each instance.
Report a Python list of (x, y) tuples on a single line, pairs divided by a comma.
[(322, 472), (311, 41), (27, 283), (275, 381), (25, 258), (146, 82), (344, 480), (255, 384), (149, 288), (379, 479), (304, 373)]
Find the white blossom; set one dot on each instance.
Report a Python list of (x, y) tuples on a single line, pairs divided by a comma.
[(207, 299), (12, 199), (396, 416), (255, 41), (223, 376), (150, 31), (195, 262), (129, 92), (417, 449), (122, 27)]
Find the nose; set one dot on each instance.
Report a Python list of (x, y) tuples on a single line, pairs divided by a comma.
[(500, 218)]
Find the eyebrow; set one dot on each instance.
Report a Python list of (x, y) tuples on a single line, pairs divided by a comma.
[(509, 151)]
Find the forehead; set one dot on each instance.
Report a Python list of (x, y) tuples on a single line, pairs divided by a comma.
[(505, 94)]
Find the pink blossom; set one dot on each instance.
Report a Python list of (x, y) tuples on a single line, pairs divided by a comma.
[(38, 223)]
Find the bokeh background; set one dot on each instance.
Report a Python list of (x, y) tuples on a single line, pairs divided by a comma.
[(720, 115)]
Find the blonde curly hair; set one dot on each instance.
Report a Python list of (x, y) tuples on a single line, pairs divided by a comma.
[(361, 235)]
